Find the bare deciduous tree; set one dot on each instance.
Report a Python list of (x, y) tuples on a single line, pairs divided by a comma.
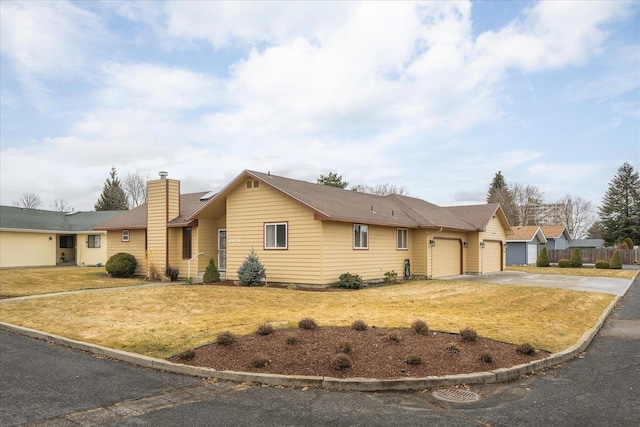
[(385, 189), (577, 214), (528, 199), (28, 200), (61, 205), (135, 187)]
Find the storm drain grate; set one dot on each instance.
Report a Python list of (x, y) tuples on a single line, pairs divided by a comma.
[(456, 395)]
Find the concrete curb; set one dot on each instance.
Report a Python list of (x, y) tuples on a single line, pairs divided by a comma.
[(351, 384)]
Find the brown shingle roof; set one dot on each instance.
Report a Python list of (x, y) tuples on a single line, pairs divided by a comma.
[(526, 233), (476, 215), (554, 231)]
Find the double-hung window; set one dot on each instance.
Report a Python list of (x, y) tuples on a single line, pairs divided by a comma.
[(403, 239), (360, 236), (124, 235), (93, 241), (275, 235)]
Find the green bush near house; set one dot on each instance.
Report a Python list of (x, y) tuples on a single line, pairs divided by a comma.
[(616, 261), (121, 265), (350, 281), (543, 258), (564, 263), (211, 274), (251, 272), (576, 259)]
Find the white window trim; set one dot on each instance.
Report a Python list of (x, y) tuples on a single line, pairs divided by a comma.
[(275, 237), (124, 235), (366, 227), (406, 242)]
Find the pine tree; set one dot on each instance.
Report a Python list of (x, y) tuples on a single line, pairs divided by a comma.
[(251, 272), (616, 261), (620, 210), (576, 259), (113, 197), (211, 275), (543, 259), (499, 192), (333, 180)]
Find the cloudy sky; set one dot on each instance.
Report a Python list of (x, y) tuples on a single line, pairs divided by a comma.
[(434, 96)]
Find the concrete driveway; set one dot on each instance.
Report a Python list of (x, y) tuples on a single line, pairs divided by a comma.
[(574, 283)]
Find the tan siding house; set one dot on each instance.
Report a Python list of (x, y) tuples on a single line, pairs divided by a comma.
[(309, 233)]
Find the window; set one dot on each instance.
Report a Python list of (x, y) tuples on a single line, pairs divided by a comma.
[(66, 242), (275, 235), (93, 241), (403, 238), (186, 242), (124, 235), (360, 236)]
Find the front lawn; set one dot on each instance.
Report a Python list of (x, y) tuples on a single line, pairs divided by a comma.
[(162, 321), (585, 271), (35, 281)]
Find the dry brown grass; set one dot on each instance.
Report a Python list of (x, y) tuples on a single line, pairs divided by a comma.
[(36, 281), (163, 321), (586, 271)]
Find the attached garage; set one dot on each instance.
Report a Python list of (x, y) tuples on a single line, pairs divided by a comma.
[(492, 257), (447, 257)]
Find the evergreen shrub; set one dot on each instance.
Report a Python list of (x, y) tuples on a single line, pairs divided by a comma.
[(350, 281), (121, 265), (564, 263), (251, 272), (543, 258), (616, 261), (602, 264), (211, 274), (629, 242), (576, 259)]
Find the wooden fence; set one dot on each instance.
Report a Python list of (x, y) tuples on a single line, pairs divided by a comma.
[(591, 255)]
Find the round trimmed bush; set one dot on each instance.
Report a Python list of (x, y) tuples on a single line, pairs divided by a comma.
[(121, 265), (468, 335), (564, 263), (420, 327), (602, 264)]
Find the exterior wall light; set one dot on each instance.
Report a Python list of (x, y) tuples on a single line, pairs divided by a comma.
[(482, 245), (432, 243), (465, 244)]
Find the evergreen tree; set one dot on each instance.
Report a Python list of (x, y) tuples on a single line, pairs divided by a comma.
[(212, 274), (543, 258), (499, 192), (251, 272), (576, 259), (616, 261), (113, 197), (333, 179), (620, 210)]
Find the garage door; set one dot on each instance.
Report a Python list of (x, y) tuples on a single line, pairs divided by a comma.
[(492, 257), (446, 258), (532, 253)]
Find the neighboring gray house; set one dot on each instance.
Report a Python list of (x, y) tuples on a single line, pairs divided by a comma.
[(557, 236), (37, 237), (586, 243), (523, 246)]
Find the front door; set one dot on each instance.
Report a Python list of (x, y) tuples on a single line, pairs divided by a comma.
[(222, 249)]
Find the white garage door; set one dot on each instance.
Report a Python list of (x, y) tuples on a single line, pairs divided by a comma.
[(446, 258), (492, 257), (532, 253)]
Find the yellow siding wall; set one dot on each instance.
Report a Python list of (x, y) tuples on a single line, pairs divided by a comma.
[(247, 211), (135, 247), (91, 256), (371, 264), (495, 231), (19, 249), (418, 251), (473, 252), (206, 234)]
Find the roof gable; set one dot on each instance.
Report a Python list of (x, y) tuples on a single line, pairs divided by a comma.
[(555, 231), (479, 216), (527, 233)]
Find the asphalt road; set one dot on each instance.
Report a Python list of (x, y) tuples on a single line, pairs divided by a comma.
[(46, 384)]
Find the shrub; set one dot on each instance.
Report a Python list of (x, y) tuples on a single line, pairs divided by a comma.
[(172, 273), (413, 360), (564, 263), (629, 242), (543, 258), (307, 323), (394, 337), (188, 280), (525, 348), (390, 277), (349, 281), (226, 338), (486, 358), (259, 361), (452, 348), (345, 346), (265, 329), (291, 340), (576, 259), (602, 264), (359, 325), (251, 272), (211, 274), (341, 361), (419, 326), (616, 261), (468, 335), (121, 265), (623, 245), (187, 354)]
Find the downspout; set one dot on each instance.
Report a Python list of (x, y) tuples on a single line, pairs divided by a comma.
[(429, 245)]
